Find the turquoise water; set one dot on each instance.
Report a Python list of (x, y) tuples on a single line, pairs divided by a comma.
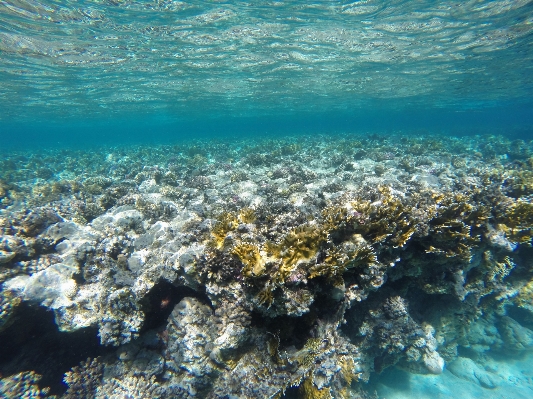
[(186, 67), (186, 114)]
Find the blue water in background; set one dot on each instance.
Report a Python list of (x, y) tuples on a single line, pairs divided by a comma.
[(515, 122), (104, 72)]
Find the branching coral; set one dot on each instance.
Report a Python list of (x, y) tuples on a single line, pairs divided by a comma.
[(339, 259), (84, 379), (226, 222), (517, 222), (300, 244), (23, 385), (249, 254)]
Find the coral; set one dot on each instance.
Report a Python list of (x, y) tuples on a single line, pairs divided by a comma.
[(520, 183), (84, 380), (391, 330), (338, 260), (225, 223), (300, 244), (23, 385), (238, 177), (517, 222), (308, 272), (498, 270), (8, 303), (247, 215), (130, 386), (524, 299), (191, 346), (389, 219), (451, 227), (249, 254), (307, 390)]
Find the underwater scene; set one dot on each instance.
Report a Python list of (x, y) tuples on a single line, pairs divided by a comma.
[(266, 199)]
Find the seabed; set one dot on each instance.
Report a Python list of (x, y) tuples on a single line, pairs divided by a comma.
[(324, 266)]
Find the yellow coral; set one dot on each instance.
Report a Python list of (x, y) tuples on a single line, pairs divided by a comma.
[(497, 270), (308, 390), (266, 297), (388, 219), (517, 222), (521, 183), (247, 215), (524, 299), (300, 244), (338, 261), (226, 222), (347, 369), (249, 254), (451, 226)]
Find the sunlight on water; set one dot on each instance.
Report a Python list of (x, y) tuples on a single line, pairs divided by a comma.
[(95, 58)]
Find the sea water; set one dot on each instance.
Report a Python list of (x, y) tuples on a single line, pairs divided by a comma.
[(102, 82)]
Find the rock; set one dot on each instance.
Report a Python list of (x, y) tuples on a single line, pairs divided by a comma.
[(468, 370), (6, 256), (53, 287), (514, 335), (434, 362)]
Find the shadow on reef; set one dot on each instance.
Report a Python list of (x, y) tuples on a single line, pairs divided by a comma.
[(161, 300), (33, 342)]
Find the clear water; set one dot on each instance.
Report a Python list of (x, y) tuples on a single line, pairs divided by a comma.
[(88, 74), (79, 68)]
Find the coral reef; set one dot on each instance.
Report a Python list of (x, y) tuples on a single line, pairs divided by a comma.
[(255, 269)]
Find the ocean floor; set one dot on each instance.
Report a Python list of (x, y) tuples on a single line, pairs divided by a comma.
[(515, 380), (309, 266)]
